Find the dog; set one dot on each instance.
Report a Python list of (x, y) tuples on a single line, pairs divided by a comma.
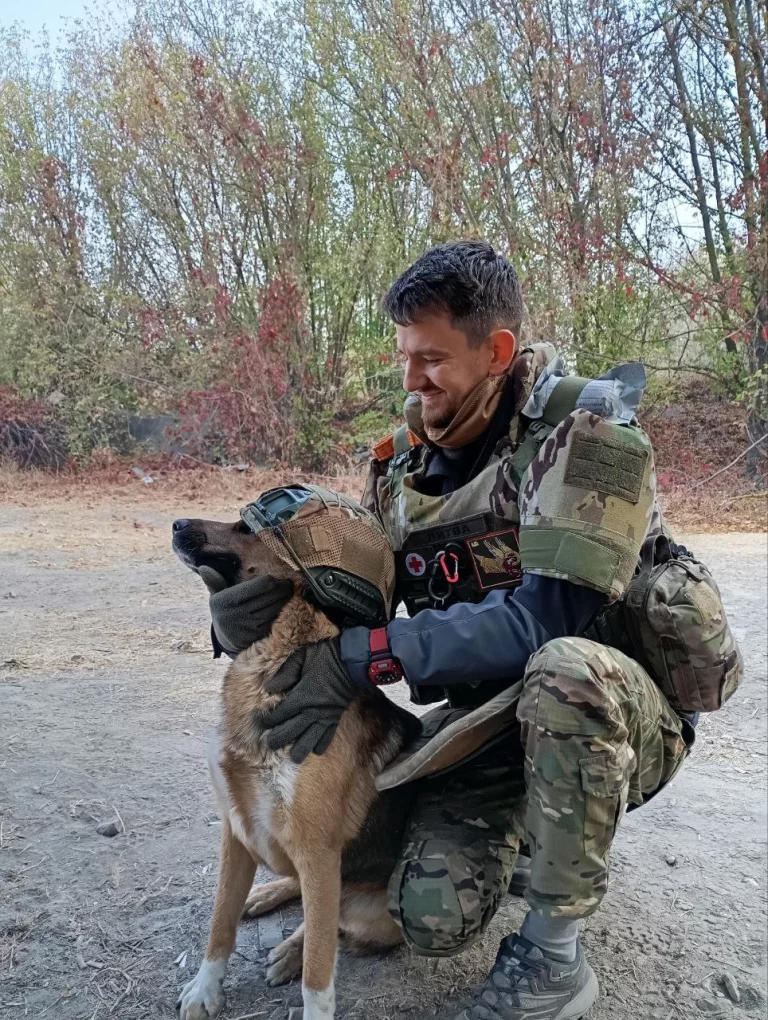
[(320, 825)]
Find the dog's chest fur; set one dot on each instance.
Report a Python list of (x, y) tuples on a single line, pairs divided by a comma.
[(263, 794)]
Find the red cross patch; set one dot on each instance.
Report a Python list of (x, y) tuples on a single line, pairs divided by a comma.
[(415, 564)]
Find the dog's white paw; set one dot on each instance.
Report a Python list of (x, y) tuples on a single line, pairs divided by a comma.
[(285, 962), (202, 998), (319, 1005)]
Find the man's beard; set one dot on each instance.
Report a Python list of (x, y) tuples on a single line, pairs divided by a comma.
[(437, 417)]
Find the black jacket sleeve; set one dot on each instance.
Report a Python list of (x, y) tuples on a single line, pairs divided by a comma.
[(473, 642)]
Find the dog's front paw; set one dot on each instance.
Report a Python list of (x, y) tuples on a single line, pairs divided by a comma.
[(203, 997), (285, 961)]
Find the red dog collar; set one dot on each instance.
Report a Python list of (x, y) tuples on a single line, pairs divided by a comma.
[(384, 667)]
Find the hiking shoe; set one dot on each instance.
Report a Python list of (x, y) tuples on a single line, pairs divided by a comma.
[(526, 985), (521, 876)]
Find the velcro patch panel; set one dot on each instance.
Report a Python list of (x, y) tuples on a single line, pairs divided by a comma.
[(607, 464)]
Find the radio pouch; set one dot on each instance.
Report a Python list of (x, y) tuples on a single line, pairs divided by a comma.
[(678, 630)]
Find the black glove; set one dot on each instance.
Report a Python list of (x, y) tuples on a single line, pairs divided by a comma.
[(319, 689), (243, 613)]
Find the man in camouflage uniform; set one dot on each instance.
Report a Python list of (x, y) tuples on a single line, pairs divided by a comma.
[(516, 502)]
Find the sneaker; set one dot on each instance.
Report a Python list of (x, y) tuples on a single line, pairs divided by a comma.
[(526, 985)]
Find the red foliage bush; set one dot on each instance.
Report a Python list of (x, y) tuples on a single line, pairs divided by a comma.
[(250, 411)]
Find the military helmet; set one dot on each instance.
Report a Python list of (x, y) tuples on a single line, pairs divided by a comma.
[(338, 545)]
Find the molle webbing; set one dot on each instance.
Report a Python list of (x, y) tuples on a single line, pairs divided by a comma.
[(586, 503)]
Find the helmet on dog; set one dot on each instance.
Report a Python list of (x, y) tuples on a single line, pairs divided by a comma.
[(338, 545)]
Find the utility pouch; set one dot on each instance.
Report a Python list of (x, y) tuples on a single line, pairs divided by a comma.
[(677, 628)]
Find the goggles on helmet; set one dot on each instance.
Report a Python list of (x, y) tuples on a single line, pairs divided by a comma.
[(352, 599), (274, 507)]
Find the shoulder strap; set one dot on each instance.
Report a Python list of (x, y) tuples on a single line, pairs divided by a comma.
[(563, 399), (401, 441), (561, 402), (405, 444)]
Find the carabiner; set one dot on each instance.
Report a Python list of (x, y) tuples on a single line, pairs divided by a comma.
[(451, 576)]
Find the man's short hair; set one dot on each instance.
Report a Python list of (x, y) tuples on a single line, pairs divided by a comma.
[(466, 280)]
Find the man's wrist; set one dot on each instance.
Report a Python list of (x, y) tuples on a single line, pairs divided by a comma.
[(357, 656), (384, 668)]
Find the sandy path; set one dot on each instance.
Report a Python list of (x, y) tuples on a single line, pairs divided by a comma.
[(107, 693)]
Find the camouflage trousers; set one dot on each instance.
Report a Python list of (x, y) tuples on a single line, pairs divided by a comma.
[(593, 734)]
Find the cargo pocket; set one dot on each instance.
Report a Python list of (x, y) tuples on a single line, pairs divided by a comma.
[(605, 783)]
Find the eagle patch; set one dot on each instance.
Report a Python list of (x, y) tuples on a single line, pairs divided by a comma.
[(496, 559)]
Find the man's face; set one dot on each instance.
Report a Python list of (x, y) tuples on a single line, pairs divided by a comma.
[(441, 367)]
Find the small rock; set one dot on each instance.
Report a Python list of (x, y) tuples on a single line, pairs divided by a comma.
[(713, 1006), (671, 860), (10, 595), (728, 982), (110, 829)]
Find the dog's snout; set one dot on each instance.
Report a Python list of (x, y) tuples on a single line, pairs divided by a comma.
[(180, 524)]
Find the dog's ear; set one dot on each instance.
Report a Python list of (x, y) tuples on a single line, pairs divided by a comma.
[(213, 580)]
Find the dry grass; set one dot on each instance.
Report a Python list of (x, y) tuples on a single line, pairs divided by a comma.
[(204, 488)]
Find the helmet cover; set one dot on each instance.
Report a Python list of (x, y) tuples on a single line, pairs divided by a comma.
[(312, 527)]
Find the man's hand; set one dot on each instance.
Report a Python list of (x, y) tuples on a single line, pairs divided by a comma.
[(244, 613), (317, 689)]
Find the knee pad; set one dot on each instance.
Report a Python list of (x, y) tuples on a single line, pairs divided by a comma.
[(444, 901)]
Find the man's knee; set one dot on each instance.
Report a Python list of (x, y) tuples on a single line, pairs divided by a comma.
[(566, 686), (444, 902), (571, 656)]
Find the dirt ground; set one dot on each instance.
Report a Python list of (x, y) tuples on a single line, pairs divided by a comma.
[(107, 694)]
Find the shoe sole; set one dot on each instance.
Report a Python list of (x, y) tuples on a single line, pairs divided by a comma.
[(583, 1002)]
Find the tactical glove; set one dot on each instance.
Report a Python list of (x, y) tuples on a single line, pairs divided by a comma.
[(317, 689), (244, 613)]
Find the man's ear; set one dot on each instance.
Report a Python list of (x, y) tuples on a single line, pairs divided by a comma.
[(503, 346)]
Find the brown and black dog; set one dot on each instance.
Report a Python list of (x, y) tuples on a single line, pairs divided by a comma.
[(320, 824)]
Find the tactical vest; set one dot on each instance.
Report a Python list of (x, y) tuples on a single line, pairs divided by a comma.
[(457, 548)]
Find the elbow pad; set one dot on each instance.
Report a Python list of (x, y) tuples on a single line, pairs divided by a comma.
[(586, 503)]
